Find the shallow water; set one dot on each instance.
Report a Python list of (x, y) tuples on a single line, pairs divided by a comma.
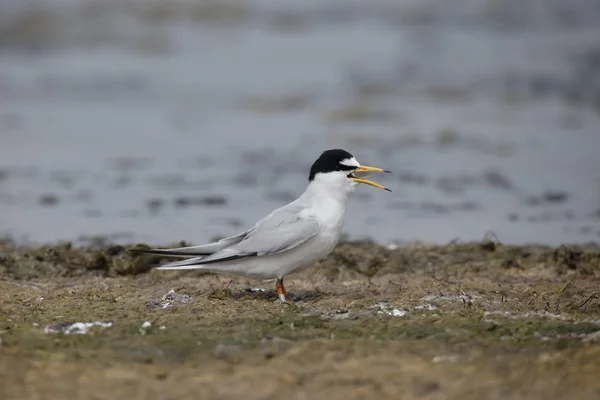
[(157, 126)]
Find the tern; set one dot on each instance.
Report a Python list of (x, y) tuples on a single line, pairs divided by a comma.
[(290, 238)]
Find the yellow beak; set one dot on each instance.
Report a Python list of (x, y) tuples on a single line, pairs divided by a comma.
[(364, 168)]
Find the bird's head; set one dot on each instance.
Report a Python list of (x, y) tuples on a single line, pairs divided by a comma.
[(336, 169)]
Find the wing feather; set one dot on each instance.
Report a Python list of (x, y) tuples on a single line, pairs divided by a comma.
[(280, 231), (195, 251)]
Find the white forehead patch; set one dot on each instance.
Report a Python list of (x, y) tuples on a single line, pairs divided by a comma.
[(350, 162)]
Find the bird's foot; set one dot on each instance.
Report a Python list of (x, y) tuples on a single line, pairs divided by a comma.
[(281, 292)]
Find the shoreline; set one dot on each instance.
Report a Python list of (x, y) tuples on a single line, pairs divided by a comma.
[(362, 256)]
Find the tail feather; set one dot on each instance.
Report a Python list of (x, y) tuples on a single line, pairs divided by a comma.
[(194, 251), (169, 252), (185, 264)]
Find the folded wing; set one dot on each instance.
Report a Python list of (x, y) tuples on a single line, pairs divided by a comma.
[(195, 251), (281, 231)]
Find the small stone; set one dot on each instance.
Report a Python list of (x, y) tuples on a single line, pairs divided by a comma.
[(174, 296), (78, 328)]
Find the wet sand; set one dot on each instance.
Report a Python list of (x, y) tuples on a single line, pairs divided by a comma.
[(466, 320)]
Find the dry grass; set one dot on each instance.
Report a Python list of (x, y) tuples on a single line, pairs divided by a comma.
[(472, 321)]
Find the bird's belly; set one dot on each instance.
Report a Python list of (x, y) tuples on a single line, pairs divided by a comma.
[(282, 264), (305, 255)]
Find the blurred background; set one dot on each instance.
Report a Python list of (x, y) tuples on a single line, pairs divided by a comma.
[(164, 120)]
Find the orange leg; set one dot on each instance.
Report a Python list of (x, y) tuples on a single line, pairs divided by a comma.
[(283, 297)]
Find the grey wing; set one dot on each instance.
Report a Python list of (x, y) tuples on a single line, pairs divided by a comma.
[(277, 237), (281, 231), (195, 251)]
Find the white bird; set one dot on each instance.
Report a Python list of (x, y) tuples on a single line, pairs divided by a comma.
[(290, 238)]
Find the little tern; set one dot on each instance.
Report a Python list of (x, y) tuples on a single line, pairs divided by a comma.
[(290, 238)]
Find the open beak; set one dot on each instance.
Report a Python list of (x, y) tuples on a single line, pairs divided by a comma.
[(364, 168)]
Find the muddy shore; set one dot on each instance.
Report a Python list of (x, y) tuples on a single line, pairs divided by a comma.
[(465, 320)]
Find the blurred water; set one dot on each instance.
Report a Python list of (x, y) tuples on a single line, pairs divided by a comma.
[(162, 121)]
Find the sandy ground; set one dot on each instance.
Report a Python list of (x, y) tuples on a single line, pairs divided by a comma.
[(468, 321)]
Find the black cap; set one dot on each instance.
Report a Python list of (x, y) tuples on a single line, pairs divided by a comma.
[(329, 161)]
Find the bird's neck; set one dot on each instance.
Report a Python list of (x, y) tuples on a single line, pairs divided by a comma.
[(322, 194), (327, 205)]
